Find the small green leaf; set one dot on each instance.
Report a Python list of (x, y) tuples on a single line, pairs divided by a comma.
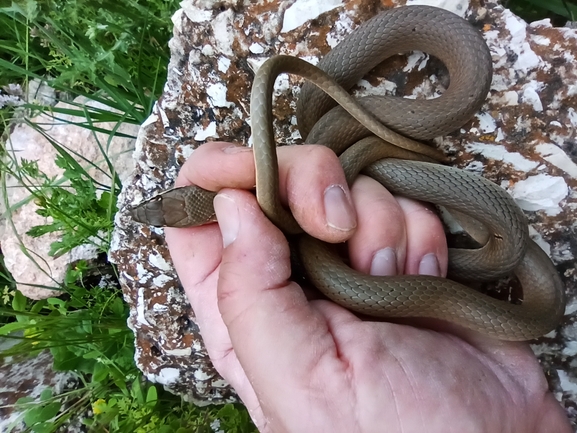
[(87, 326), (111, 79), (19, 301), (64, 359), (41, 230), (136, 391), (12, 326), (93, 354), (88, 422), (100, 372), (24, 400), (151, 394), (33, 416), (46, 394), (107, 201), (226, 411), (38, 306), (56, 301), (50, 410), (117, 307), (79, 291), (120, 381)]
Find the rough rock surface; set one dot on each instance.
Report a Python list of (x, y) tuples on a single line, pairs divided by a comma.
[(523, 139), (35, 271), (28, 378)]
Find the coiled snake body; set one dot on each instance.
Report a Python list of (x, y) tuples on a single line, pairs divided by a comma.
[(509, 249)]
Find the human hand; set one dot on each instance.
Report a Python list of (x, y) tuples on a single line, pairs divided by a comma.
[(301, 365)]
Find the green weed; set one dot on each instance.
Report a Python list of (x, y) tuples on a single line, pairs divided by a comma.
[(77, 212), (114, 54), (85, 331)]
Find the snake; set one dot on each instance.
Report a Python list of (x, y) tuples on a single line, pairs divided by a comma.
[(381, 136)]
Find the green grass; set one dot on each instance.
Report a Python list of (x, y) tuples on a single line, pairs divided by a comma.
[(85, 331), (114, 53)]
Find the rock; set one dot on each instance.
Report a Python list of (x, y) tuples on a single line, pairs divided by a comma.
[(35, 271), (523, 139), (28, 377)]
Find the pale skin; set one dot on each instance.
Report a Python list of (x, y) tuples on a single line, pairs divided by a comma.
[(303, 365)]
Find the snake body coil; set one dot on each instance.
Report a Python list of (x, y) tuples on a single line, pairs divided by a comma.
[(509, 249)]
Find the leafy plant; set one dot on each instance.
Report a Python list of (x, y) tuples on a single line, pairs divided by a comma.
[(86, 333), (531, 10), (114, 54), (77, 212), (7, 289), (111, 52), (40, 414)]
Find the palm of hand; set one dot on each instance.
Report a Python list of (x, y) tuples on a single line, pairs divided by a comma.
[(311, 366)]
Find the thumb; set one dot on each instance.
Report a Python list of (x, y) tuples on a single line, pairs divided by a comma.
[(256, 257), (271, 324)]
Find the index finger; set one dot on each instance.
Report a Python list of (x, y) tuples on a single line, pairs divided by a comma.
[(312, 183)]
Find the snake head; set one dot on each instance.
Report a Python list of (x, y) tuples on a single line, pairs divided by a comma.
[(187, 206)]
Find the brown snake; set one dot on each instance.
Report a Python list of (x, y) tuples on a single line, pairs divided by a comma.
[(508, 249)]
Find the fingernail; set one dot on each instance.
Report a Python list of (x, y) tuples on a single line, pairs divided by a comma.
[(338, 211), (384, 263), (429, 265), (228, 218)]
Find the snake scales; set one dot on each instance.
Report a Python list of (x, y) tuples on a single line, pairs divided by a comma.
[(508, 249)]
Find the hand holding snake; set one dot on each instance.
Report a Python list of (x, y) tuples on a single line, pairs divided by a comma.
[(302, 365), (312, 366), (509, 249)]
